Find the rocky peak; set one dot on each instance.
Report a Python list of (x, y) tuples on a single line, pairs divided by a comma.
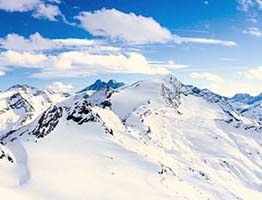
[(99, 84)]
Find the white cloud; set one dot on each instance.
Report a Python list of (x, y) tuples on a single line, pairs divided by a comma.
[(36, 42), (19, 5), (40, 8), (78, 63), (254, 74), (132, 28), (207, 76), (128, 27), (253, 31), (78, 57), (83, 64), (47, 11), (245, 5), (17, 42), (54, 1), (179, 40), (75, 42), (60, 87), (12, 58)]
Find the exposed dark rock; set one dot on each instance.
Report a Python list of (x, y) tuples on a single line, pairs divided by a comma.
[(48, 121)]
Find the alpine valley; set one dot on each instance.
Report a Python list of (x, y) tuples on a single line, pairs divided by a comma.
[(151, 140)]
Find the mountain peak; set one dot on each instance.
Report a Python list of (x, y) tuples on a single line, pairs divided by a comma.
[(99, 84), (20, 86)]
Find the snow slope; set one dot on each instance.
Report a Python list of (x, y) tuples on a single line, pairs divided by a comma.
[(155, 139)]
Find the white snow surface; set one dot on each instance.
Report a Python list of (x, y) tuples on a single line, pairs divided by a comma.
[(156, 141)]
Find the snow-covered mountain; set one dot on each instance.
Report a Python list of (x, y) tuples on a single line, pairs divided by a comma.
[(155, 139), (249, 106), (20, 104), (245, 98), (98, 85)]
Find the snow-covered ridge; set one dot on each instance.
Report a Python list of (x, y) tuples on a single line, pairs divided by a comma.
[(155, 139), (20, 104)]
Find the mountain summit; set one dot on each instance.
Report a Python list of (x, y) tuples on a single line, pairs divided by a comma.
[(99, 84)]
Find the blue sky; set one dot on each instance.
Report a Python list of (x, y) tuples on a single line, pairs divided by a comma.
[(214, 43)]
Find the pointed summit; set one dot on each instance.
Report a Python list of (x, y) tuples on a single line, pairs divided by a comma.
[(99, 84)]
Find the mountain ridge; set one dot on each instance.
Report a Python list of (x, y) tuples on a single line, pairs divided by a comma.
[(173, 141)]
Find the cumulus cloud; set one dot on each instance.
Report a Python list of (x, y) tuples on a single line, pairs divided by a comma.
[(207, 76), (77, 63), (49, 12), (19, 5), (12, 58), (74, 64), (132, 28), (74, 57), (60, 87), (128, 27), (254, 74), (40, 8), (36, 42)]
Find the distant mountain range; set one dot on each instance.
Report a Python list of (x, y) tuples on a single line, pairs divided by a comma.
[(245, 98)]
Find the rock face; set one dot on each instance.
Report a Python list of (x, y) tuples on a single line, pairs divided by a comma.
[(48, 121), (82, 113), (155, 139), (98, 85)]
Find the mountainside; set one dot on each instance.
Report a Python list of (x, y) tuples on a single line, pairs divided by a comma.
[(20, 104), (98, 85), (155, 139)]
